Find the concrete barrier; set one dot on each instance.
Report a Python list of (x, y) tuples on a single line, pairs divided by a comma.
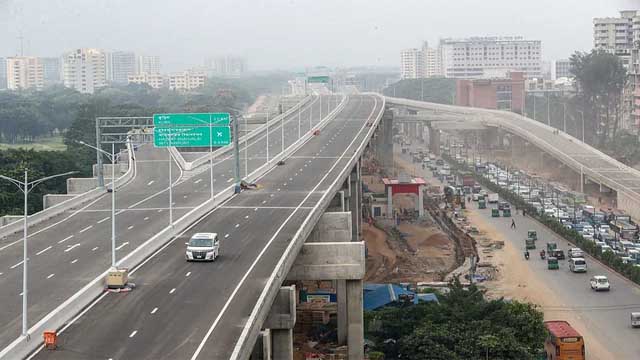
[(50, 200), (69, 204), (56, 319)]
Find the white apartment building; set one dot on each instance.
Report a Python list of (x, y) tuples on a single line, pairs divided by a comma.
[(156, 81), (562, 69), (187, 80), (3, 73), (226, 66), (24, 72), (432, 65), (490, 57), (412, 64), (121, 64), (85, 69), (148, 64)]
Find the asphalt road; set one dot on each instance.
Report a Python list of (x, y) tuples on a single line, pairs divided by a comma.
[(68, 251), (182, 310), (606, 314)]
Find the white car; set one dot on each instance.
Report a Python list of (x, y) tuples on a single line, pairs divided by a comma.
[(203, 247), (577, 264), (575, 253), (600, 282)]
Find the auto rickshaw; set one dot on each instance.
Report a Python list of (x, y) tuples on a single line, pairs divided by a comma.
[(482, 204), (551, 247), (635, 319), (529, 244), (506, 212), (532, 234), (495, 213), (552, 263)]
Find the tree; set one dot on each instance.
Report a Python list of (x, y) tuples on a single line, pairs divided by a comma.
[(600, 78)]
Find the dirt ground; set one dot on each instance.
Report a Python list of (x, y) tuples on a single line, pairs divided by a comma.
[(520, 283)]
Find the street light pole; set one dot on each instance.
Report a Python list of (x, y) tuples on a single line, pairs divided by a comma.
[(170, 184), (299, 117), (267, 137), (26, 187), (282, 135), (246, 149), (211, 156), (564, 116)]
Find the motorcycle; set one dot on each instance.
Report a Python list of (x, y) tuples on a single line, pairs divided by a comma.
[(542, 255), (526, 255)]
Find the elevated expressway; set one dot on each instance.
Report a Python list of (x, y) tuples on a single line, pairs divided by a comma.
[(182, 310), (590, 163), (69, 250)]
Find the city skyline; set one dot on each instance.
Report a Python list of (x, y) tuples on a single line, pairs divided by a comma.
[(361, 34)]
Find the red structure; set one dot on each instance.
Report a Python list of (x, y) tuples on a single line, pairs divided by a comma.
[(501, 94), (413, 186)]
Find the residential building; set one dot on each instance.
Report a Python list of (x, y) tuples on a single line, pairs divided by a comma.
[(562, 68), (498, 93), (121, 64), (226, 66), (24, 72), (156, 81), (187, 80), (148, 64), (540, 87), (431, 63), (85, 69), (52, 71), (3, 74), (490, 57), (412, 64), (621, 36)]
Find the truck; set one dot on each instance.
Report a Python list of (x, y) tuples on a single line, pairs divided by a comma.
[(468, 180), (493, 198)]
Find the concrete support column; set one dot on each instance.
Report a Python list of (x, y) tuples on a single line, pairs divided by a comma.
[(420, 202), (282, 342), (389, 202), (341, 298), (356, 320), (355, 187), (262, 348), (434, 140)]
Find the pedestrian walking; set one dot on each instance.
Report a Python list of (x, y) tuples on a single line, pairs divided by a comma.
[(513, 223), (524, 213)]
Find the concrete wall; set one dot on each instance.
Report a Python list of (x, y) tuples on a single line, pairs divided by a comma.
[(332, 227), (81, 185), (121, 168), (50, 200), (8, 219)]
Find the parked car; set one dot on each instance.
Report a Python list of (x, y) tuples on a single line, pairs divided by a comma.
[(600, 283)]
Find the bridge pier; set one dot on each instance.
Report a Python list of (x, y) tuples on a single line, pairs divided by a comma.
[(434, 139), (276, 342)]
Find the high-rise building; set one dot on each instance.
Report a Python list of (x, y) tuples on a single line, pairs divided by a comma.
[(563, 67), (490, 57), (121, 64), (431, 61), (85, 69), (52, 71), (226, 66), (187, 80), (24, 72), (148, 64), (412, 64), (3, 74), (621, 36), (156, 81)]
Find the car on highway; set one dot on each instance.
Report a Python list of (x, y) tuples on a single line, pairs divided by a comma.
[(577, 264), (203, 247), (575, 253), (600, 283)]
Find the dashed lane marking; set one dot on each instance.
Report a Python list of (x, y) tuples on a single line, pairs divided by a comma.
[(50, 276), (154, 310), (65, 239), (85, 229), (103, 220), (43, 250), (72, 247), (123, 245)]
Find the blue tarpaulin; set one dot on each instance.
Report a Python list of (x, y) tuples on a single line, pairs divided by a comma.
[(379, 295)]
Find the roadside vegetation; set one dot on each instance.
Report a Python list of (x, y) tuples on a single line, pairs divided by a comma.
[(463, 324)]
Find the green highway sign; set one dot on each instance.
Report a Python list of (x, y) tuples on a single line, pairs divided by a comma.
[(318, 79), (186, 136), (191, 119)]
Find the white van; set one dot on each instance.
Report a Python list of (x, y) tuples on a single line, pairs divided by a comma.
[(577, 265), (203, 247)]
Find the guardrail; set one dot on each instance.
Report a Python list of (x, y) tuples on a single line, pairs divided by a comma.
[(23, 346), (508, 121), (242, 349), (69, 204)]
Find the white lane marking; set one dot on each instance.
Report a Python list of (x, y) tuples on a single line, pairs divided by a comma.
[(123, 245), (290, 179), (278, 190), (43, 250), (133, 333), (247, 216), (16, 265), (95, 248), (255, 209), (237, 225), (226, 236), (85, 229), (197, 181), (270, 195), (65, 239), (264, 201), (21, 294), (146, 218), (160, 210), (130, 227), (285, 184), (50, 276), (172, 291), (103, 220), (186, 196), (150, 182), (154, 310), (119, 212), (74, 261), (230, 180), (187, 274), (1, 274), (72, 247)]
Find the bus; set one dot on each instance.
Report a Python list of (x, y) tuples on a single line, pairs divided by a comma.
[(563, 341)]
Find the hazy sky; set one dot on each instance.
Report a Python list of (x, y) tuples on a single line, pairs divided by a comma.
[(291, 34)]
